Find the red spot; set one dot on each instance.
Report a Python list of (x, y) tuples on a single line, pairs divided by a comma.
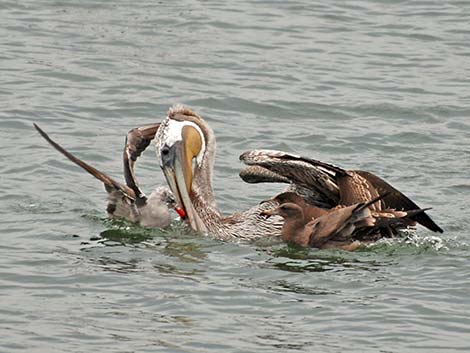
[(181, 212)]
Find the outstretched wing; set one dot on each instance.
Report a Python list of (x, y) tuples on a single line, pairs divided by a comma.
[(137, 140), (327, 183), (255, 174), (121, 198), (352, 187), (277, 166), (369, 186), (109, 182)]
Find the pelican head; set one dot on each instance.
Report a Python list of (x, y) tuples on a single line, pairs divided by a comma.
[(185, 146)]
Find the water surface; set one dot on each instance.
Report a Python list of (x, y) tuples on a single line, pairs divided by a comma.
[(375, 85)]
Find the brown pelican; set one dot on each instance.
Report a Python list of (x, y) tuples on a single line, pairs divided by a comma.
[(185, 147), (387, 222), (330, 230), (128, 201), (345, 227)]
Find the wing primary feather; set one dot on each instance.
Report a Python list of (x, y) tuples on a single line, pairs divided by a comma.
[(327, 166), (107, 180)]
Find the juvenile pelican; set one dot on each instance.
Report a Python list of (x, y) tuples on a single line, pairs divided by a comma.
[(344, 227)]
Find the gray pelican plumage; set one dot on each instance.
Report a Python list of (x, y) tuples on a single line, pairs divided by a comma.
[(128, 201)]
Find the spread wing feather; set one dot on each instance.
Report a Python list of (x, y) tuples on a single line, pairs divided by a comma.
[(275, 165), (109, 182)]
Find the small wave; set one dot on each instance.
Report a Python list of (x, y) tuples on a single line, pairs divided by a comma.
[(410, 241)]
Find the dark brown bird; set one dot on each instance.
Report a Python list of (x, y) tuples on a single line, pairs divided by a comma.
[(387, 222), (327, 186), (331, 230), (342, 227)]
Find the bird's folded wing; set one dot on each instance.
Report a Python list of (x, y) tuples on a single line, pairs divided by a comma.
[(137, 140)]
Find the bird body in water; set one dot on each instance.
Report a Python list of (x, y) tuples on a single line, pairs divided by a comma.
[(330, 230), (128, 201), (344, 227)]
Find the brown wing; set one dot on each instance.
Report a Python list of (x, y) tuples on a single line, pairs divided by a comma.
[(354, 188), (334, 223), (109, 182), (361, 186), (397, 200), (137, 141), (255, 174), (297, 170), (120, 197), (343, 223)]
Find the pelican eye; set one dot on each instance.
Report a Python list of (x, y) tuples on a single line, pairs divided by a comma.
[(165, 150)]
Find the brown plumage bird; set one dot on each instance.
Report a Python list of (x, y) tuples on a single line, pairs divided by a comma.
[(342, 227), (387, 222), (327, 186), (333, 229)]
